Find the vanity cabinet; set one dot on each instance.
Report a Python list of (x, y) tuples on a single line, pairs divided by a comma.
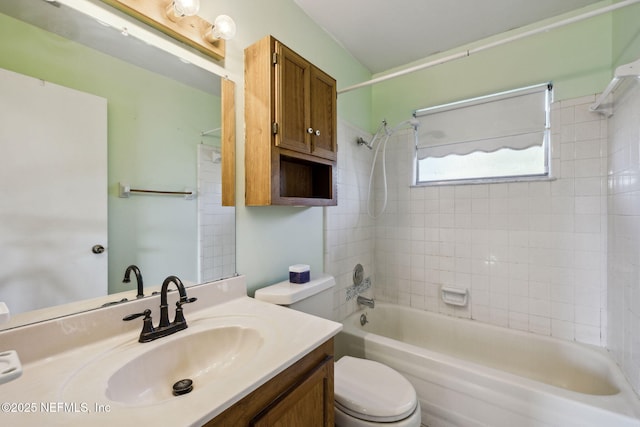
[(291, 125), (301, 395)]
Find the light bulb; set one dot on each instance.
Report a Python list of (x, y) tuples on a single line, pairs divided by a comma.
[(223, 28), (181, 8), (186, 7)]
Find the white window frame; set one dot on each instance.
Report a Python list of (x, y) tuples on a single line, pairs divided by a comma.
[(546, 175)]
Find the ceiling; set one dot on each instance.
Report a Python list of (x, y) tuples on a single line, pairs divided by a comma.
[(383, 34)]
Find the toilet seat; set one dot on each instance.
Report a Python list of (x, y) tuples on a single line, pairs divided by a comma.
[(371, 391)]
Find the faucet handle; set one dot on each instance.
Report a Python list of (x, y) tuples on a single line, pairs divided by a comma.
[(146, 314), (179, 317), (147, 324), (185, 301)]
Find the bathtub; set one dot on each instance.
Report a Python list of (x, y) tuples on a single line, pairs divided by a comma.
[(467, 373)]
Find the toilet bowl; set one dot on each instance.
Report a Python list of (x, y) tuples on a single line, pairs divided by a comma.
[(367, 393)]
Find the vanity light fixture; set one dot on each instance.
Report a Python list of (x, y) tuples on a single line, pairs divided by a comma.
[(178, 9), (179, 19), (223, 28)]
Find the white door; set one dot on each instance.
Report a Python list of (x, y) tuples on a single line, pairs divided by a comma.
[(53, 193)]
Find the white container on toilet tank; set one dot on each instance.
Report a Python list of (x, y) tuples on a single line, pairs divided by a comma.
[(314, 297)]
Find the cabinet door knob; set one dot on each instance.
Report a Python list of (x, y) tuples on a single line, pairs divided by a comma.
[(310, 130), (317, 133)]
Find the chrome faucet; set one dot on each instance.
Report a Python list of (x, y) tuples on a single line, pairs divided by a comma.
[(369, 302), (127, 279), (149, 332)]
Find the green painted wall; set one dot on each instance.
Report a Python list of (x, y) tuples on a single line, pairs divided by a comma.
[(288, 23), (269, 239), (154, 126), (626, 35), (577, 58)]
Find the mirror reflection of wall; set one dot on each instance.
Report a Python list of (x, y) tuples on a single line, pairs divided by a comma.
[(216, 223), (155, 126)]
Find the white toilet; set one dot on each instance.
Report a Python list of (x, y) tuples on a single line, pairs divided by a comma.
[(367, 393)]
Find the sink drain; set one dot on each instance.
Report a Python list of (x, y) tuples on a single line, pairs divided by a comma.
[(182, 387)]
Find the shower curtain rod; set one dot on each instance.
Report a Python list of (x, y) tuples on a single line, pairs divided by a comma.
[(469, 52), (207, 132), (631, 69)]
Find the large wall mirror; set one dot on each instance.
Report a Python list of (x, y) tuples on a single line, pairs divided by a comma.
[(161, 123)]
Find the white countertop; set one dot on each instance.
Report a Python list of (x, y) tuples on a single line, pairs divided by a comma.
[(66, 362)]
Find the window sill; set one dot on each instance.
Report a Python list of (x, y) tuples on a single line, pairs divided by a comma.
[(476, 181)]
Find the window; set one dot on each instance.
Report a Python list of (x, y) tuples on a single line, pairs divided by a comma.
[(504, 136)]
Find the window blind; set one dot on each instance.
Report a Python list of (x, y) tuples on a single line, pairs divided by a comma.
[(515, 119)]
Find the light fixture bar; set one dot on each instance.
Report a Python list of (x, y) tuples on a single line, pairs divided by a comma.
[(187, 29)]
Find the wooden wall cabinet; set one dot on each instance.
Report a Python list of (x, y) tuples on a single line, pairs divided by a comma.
[(291, 124), (302, 395)]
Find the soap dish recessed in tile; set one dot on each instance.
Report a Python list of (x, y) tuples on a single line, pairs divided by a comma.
[(10, 366), (454, 296)]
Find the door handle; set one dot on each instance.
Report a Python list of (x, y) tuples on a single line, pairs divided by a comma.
[(97, 249)]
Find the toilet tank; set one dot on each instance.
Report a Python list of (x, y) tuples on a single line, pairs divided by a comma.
[(314, 297)]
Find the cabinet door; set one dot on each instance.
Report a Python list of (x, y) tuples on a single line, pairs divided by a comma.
[(323, 115), (292, 100), (309, 403)]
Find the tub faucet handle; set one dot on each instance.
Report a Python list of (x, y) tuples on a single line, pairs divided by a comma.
[(363, 319)]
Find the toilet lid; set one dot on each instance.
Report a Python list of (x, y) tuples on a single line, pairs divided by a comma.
[(372, 391)]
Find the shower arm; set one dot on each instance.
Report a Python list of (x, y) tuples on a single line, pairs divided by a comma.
[(413, 122), (369, 145)]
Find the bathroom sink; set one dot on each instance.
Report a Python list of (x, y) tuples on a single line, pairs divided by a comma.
[(135, 374), (200, 357)]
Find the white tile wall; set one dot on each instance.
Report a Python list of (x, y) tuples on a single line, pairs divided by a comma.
[(349, 231), (624, 231), (216, 223), (559, 258), (532, 255)]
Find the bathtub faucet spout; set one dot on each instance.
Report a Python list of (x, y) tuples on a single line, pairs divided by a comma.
[(369, 302)]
